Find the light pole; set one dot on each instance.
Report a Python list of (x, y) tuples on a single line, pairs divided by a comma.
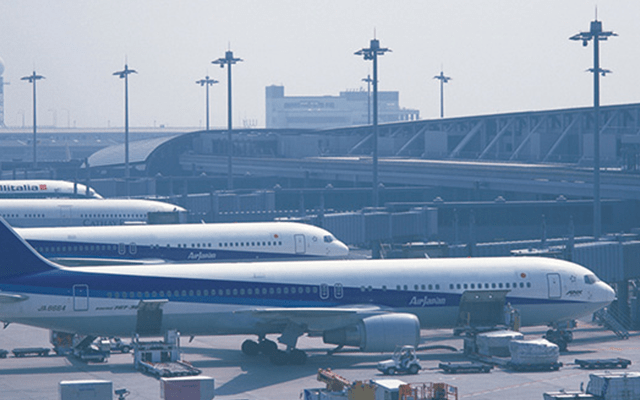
[(32, 79), (228, 60), (124, 74), (368, 80), (443, 79), (206, 82), (371, 53), (597, 35)]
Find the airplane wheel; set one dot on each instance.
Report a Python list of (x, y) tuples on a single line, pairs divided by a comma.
[(268, 347), (297, 357), (279, 357), (250, 348)]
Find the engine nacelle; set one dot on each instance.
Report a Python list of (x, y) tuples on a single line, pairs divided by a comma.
[(378, 333)]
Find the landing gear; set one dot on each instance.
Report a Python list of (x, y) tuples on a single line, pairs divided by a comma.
[(250, 348), (293, 357), (253, 348), (269, 348)]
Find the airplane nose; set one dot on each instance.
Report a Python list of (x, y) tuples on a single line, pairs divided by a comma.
[(607, 292), (342, 249)]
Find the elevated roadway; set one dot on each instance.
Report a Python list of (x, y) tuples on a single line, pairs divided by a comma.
[(499, 176)]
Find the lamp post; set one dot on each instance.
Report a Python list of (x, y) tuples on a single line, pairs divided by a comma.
[(206, 82), (228, 60), (597, 34), (32, 79), (124, 74), (443, 79), (368, 80), (371, 53)]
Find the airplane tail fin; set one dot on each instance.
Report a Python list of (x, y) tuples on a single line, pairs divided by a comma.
[(17, 257)]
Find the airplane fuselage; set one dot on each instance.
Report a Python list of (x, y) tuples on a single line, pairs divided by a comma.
[(239, 298), (80, 212), (184, 242)]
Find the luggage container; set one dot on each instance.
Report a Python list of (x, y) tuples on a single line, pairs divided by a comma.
[(187, 388), (86, 390)]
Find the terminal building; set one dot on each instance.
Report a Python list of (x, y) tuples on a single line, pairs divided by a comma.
[(323, 112)]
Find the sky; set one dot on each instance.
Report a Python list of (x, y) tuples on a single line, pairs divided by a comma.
[(502, 56)]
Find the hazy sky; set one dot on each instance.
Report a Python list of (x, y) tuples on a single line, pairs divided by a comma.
[(503, 55)]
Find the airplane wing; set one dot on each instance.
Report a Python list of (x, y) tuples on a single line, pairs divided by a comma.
[(12, 298), (315, 319)]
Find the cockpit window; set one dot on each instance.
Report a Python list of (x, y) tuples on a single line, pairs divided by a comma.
[(590, 279), (328, 239)]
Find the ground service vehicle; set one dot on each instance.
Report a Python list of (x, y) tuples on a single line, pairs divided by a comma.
[(404, 361)]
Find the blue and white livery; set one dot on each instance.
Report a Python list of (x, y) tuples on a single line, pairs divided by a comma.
[(371, 304), (184, 243)]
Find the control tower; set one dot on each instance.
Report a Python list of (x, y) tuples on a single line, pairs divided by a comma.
[(2, 125)]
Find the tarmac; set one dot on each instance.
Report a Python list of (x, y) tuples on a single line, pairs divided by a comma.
[(238, 376)]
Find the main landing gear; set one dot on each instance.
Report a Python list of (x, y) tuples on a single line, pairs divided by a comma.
[(269, 348)]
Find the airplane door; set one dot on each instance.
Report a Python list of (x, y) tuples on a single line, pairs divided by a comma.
[(555, 290), (80, 297), (300, 244)]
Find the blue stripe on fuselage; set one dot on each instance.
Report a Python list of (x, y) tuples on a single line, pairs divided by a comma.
[(61, 282), (53, 249)]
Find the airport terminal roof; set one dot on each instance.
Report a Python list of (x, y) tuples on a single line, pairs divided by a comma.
[(139, 151)]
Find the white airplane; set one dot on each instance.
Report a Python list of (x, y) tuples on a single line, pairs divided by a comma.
[(371, 304), (183, 243), (84, 212), (44, 188)]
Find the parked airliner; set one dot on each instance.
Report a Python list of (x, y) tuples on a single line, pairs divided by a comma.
[(45, 188), (183, 243), (84, 212), (371, 304)]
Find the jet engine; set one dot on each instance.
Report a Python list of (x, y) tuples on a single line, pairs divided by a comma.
[(378, 333)]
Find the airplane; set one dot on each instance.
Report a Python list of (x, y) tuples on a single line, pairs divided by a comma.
[(44, 188), (183, 243), (85, 212), (373, 305)]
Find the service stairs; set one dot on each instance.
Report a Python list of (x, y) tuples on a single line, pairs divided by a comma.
[(612, 322)]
